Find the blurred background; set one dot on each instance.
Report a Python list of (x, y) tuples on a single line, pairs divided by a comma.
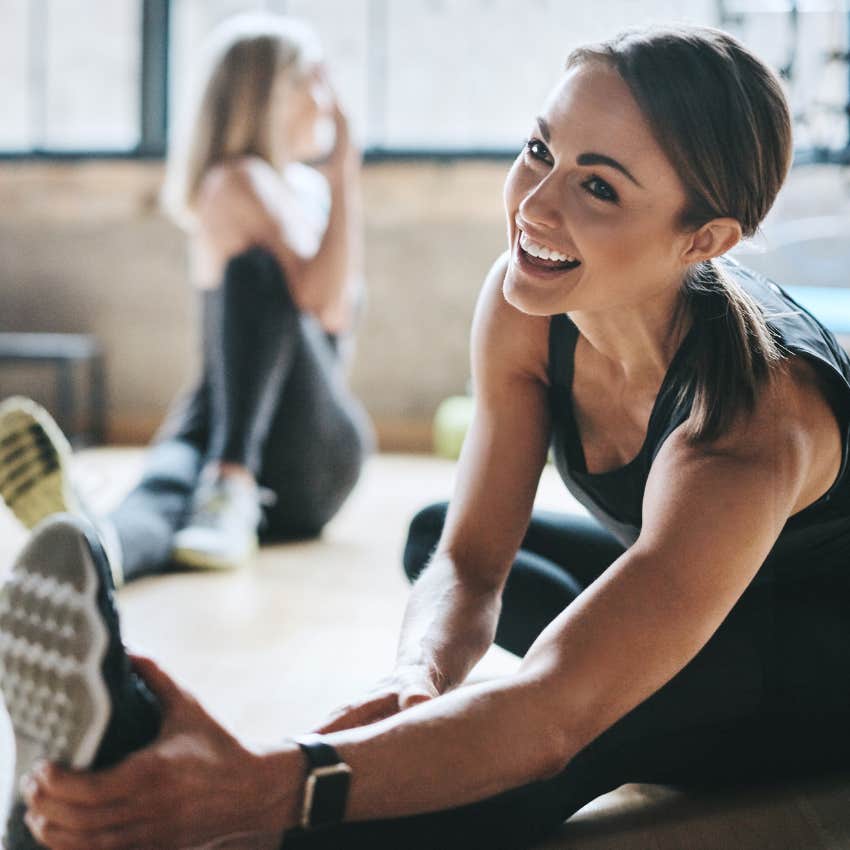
[(440, 94)]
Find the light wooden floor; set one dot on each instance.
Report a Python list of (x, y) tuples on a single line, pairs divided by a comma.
[(272, 649)]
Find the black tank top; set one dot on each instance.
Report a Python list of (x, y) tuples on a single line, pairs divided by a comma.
[(816, 537)]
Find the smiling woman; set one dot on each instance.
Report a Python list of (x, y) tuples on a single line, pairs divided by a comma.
[(695, 630)]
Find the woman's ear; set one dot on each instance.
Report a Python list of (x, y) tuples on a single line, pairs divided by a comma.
[(714, 238)]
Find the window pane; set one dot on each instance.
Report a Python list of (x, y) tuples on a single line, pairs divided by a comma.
[(92, 74), (470, 74), (344, 31), (816, 86), (14, 75), (473, 74)]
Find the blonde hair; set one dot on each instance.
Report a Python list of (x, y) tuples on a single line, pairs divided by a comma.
[(230, 112)]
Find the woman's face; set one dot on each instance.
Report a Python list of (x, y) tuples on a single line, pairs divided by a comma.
[(592, 204), (306, 114)]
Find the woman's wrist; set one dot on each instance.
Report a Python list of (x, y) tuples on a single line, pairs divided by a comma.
[(344, 172), (279, 788)]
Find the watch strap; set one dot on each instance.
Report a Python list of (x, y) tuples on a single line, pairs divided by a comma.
[(328, 781)]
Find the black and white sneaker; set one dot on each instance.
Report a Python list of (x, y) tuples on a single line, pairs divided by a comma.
[(66, 679), (35, 462), (35, 473)]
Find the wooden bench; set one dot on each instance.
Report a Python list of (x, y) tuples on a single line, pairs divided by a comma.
[(63, 352)]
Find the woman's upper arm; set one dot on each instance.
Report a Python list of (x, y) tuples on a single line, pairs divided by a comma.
[(711, 515), (235, 214), (505, 448)]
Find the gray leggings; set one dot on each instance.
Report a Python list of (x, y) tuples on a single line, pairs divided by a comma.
[(272, 397)]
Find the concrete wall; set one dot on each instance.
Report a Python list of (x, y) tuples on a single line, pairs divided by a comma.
[(83, 248)]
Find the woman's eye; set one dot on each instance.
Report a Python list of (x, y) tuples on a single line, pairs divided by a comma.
[(537, 149), (600, 189)]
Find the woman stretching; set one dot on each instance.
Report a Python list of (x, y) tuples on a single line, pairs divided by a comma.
[(274, 250), (696, 630)]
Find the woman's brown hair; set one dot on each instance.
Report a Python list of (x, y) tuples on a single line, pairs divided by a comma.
[(719, 114)]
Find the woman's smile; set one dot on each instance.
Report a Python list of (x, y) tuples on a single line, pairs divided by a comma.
[(540, 260)]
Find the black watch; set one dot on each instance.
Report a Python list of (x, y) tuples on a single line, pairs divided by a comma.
[(328, 780)]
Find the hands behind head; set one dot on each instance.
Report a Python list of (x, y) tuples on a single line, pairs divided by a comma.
[(196, 783)]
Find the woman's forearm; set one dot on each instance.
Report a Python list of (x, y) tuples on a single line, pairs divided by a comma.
[(448, 625), (329, 279), (458, 748)]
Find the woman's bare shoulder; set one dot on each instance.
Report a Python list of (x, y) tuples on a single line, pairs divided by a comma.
[(792, 430), (503, 337), (239, 184)]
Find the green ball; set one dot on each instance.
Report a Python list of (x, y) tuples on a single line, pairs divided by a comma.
[(451, 422)]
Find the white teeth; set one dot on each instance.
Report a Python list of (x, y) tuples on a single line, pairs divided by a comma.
[(535, 249)]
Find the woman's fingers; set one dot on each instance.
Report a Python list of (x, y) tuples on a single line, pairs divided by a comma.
[(105, 787), (413, 696), (164, 687), (76, 815), (58, 835), (407, 686), (361, 714)]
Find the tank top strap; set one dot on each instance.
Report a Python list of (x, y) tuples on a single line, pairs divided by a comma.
[(563, 335)]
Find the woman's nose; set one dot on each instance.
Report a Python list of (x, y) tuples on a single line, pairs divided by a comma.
[(543, 205)]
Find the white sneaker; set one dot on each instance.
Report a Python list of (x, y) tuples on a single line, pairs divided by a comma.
[(35, 473), (221, 532)]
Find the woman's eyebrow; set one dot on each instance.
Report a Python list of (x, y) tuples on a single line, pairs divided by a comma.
[(590, 158), (601, 159)]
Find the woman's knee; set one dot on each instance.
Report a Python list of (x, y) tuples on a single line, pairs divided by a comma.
[(422, 538), (254, 277), (306, 501)]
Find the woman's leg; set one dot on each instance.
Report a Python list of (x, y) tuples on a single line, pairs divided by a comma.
[(560, 555), (251, 335), (317, 442), (146, 520), (279, 408), (766, 699), (272, 400)]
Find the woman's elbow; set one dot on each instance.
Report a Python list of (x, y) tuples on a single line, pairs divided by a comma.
[(554, 741), (567, 717)]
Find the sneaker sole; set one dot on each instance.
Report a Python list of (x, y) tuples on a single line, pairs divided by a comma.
[(204, 561), (52, 645), (34, 463)]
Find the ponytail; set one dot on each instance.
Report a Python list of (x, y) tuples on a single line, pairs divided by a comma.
[(734, 351)]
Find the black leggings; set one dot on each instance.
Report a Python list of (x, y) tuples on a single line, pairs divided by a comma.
[(767, 698), (272, 397)]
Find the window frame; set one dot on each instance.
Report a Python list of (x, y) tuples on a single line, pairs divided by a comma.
[(154, 115), (153, 102)]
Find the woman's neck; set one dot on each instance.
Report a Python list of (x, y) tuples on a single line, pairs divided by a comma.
[(637, 342)]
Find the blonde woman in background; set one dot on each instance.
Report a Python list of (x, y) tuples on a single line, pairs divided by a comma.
[(275, 255)]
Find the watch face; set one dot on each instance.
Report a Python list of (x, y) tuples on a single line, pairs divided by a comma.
[(326, 795)]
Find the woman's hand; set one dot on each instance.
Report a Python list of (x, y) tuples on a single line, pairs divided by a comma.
[(406, 686), (195, 785), (344, 159)]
